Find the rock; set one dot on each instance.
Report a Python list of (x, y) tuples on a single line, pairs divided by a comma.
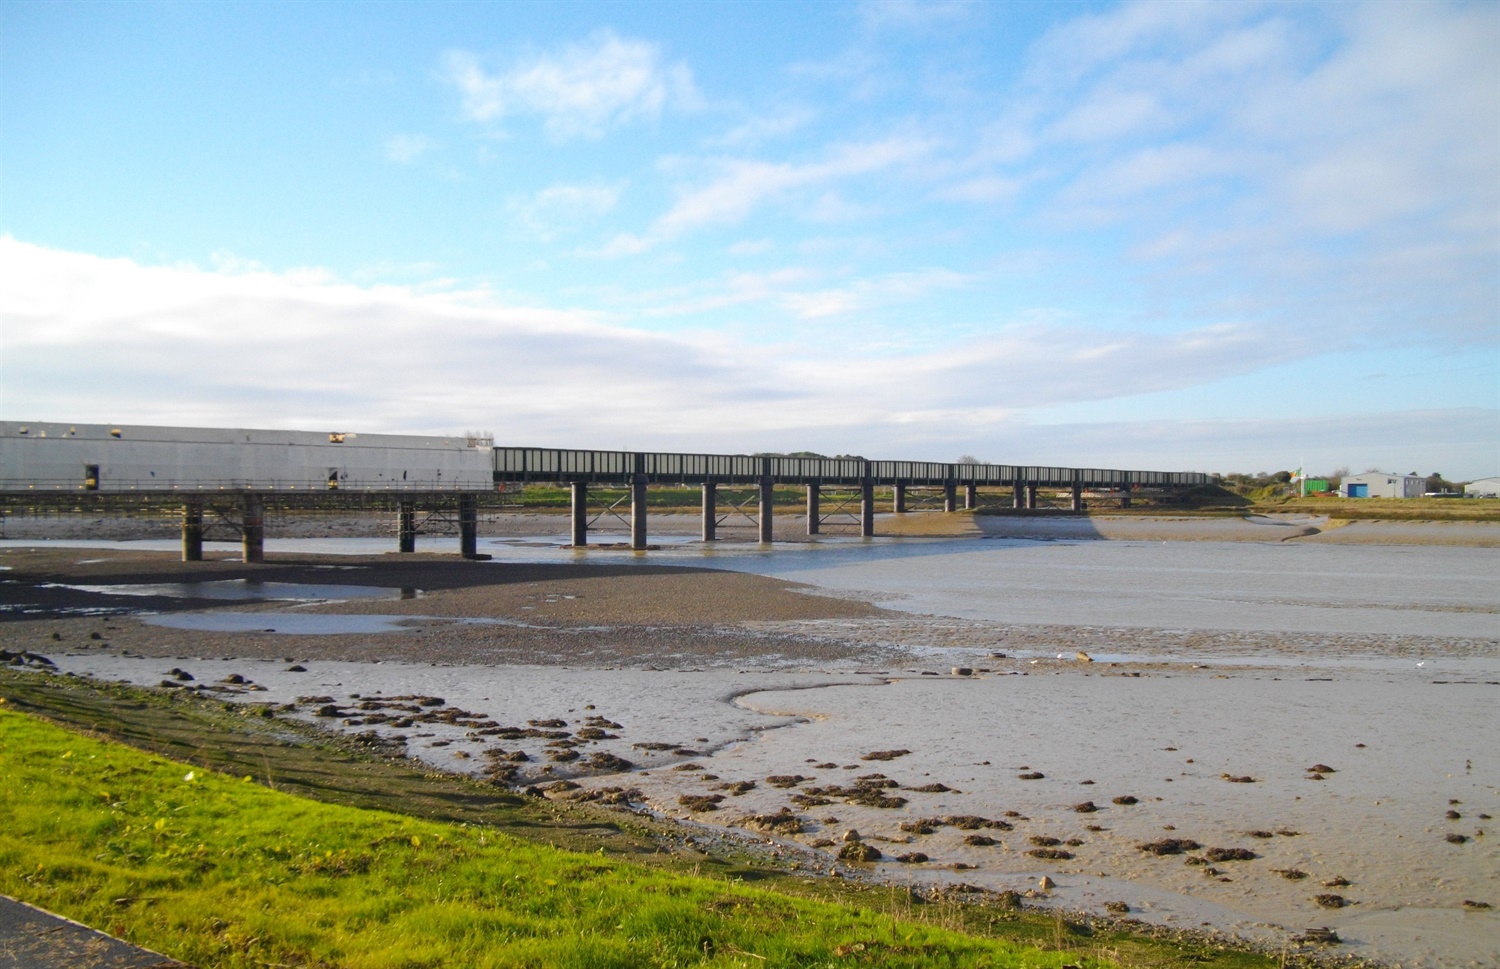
[(1230, 854), (234, 678), (1170, 846), (1034, 775), (1083, 657), (296, 668), (912, 858), (1127, 799), (850, 836), (1318, 936), (1087, 807), (1117, 908), (1046, 884), (1052, 854), (858, 851), (182, 675), (963, 671), (1330, 900)]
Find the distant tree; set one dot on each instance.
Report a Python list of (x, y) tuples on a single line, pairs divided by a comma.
[(1436, 482), (1282, 477), (968, 459)]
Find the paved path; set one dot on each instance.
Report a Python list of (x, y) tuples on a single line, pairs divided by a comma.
[(33, 939)]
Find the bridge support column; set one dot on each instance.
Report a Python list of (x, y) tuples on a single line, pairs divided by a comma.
[(1020, 491), (1031, 497), (580, 513), (898, 498), (468, 526), (192, 531), (406, 527), (950, 496), (814, 509), (253, 530), (971, 497), (766, 520), (1125, 497), (1077, 503), (710, 511), (638, 512), (866, 508)]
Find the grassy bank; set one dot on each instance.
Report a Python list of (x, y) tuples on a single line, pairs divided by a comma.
[(212, 858)]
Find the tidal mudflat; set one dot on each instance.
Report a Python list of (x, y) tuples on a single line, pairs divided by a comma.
[(1263, 738)]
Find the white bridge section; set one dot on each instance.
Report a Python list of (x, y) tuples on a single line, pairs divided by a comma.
[(116, 458)]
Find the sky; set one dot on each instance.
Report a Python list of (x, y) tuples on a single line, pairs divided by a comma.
[(1171, 236)]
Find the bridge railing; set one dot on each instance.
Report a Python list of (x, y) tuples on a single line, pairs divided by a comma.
[(563, 466)]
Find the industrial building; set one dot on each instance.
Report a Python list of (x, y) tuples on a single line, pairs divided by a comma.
[(1483, 488), (1378, 484)]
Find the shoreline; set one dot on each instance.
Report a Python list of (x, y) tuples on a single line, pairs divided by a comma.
[(791, 526), (696, 668)]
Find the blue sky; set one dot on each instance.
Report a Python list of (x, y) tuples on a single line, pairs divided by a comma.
[(1206, 236)]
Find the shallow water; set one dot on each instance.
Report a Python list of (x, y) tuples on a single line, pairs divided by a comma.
[(245, 590)]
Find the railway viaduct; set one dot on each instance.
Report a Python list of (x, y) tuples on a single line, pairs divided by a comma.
[(236, 474)]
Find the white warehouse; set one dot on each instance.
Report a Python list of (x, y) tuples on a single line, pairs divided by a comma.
[(115, 458), (1378, 484)]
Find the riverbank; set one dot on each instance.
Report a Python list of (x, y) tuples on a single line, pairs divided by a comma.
[(719, 697)]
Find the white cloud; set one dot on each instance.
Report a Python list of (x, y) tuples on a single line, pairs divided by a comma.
[(754, 131), (581, 90), (405, 149), (739, 187), (560, 209), (88, 338)]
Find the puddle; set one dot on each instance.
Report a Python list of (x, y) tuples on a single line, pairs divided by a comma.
[(291, 624), (246, 590)]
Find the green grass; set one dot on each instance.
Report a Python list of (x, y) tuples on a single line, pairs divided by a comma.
[(219, 870), (219, 740)]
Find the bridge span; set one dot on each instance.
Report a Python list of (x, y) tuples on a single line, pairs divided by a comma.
[(235, 474)]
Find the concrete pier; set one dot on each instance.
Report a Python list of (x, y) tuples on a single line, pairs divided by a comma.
[(580, 513), (253, 530), (950, 496), (898, 498), (971, 497), (766, 522), (468, 526), (814, 509), (192, 531), (406, 527), (1020, 493), (1031, 497), (638, 513), (867, 508), (710, 511), (1077, 498)]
